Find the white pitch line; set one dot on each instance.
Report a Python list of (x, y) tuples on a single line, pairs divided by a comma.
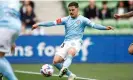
[(37, 73)]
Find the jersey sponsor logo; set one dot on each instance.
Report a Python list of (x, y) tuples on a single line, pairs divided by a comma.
[(58, 21), (78, 21)]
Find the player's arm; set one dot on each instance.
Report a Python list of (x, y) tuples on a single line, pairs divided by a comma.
[(96, 26), (126, 15), (60, 21), (46, 24)]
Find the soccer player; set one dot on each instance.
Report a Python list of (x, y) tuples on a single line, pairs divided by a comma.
[(126, 15), (10, 26), (74, 28)]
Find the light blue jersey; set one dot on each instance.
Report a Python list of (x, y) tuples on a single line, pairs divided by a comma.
[(9, 20), (74, 27), (9, 14)]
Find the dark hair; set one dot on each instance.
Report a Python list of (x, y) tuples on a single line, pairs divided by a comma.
[(118, 4), (31, 3), (73, 4), (104, 2)]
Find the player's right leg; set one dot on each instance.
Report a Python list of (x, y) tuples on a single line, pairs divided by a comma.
[(73, 47), (70, 54), (57, 62)]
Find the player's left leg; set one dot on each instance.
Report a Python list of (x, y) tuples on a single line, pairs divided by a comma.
[(57, 62), (71, 53), (130, 49)]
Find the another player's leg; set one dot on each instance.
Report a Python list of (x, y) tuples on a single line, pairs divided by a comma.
[(130, 49), (58, 64), (7, 70), (70, 54)]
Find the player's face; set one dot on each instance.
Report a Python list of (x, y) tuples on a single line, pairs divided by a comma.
[(73, 11)]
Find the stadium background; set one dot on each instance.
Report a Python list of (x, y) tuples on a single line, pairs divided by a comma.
[(103, 55)]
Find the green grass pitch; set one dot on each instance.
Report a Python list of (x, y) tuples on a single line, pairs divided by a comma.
[(93, 71)]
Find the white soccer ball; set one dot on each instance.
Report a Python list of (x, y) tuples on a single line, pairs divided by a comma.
[(47, 70)]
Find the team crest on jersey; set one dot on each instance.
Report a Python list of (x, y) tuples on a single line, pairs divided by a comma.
[(73, 44), (78, 22)]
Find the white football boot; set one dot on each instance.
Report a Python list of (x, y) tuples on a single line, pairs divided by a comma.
[(72, 77)]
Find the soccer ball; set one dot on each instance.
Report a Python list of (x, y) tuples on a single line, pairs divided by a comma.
[(130, 49), (47, 70)]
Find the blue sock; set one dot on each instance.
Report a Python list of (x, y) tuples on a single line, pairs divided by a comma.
[(68, 61), (59, 67)]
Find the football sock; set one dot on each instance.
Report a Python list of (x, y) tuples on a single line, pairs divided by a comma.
[(68, 61), (59, 67)]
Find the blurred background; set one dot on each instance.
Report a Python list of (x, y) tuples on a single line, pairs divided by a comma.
[(104, 54)]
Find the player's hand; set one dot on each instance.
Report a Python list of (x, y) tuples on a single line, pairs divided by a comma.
[(109, 28), (116, 16), (34, 26)]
